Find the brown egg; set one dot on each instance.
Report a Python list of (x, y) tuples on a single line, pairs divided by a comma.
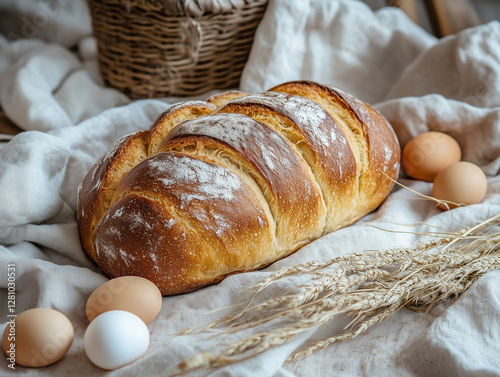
[(427, 154), (129, 293), (37, 337), (461, 183)]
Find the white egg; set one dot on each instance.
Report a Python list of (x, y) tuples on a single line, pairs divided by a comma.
[(116, 338)]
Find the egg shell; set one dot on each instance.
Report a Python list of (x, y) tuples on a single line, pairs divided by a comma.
[(427, 154), (130, 293), (38, 337), (461, 183), (116, 338)]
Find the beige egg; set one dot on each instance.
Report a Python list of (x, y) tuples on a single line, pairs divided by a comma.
[(461, 183), (133, 294), (427, 154), (37, 337)]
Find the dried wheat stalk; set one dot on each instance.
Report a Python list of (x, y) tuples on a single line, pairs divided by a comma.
[(370, 286)]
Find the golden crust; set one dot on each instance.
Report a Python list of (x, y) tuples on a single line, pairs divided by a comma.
[(220, 99), (182, 222), (97, 189), (235, 183), (171, 117), (319, 139), (372, 139), (283, 177)]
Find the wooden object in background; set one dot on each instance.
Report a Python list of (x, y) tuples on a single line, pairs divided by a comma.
[(451, 16), (7, 127)]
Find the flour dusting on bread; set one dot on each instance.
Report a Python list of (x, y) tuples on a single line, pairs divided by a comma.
[(208, 181)]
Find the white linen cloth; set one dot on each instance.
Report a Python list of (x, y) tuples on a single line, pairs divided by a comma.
[(418, 82)]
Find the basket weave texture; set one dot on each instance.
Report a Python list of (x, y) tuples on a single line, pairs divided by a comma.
[(160, 48)]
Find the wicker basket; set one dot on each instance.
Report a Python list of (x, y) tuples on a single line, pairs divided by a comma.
[(160, 48)]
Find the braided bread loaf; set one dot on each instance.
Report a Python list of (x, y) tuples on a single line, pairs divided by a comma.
[(234, 183)]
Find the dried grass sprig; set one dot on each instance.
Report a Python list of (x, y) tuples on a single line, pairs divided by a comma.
[(370, 286)]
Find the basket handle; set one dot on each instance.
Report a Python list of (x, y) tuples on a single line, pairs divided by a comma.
[(197, 8), (192, 39)]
